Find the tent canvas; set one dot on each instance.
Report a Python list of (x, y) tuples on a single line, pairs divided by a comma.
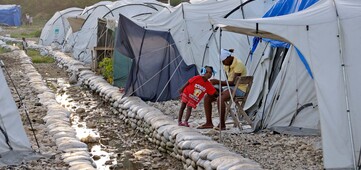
[(327, 35), (132, 9), (56, 28), (13, 138), (156, 62), (10, 15), (192, 33), (194, 36), (280, 100)]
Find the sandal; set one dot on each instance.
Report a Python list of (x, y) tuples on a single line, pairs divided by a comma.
[(205, 127)]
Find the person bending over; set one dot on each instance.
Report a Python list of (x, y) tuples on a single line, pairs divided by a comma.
[(193, 91)]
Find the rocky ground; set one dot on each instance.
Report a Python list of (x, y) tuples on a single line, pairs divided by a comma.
[(271, 150)]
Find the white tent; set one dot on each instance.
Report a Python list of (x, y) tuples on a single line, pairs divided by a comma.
[(327, 34), (194, 36), (86, 38), (280, 100), (78, 22), (56, 28), (13, 138)]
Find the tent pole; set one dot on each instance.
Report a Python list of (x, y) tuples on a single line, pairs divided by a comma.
[(22, 103), (220, 83), (345, 86)]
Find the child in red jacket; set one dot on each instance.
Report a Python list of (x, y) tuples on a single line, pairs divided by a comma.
[(193, 91)]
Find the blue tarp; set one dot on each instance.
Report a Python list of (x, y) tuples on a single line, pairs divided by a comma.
[(284, 7), (10, 15)]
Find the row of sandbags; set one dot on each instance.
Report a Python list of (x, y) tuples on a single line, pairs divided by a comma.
[(74, 152)]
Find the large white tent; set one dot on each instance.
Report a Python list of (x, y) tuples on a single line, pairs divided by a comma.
[(86, 39), (56, 28), (327, 34), (13, 139), (194, 36)]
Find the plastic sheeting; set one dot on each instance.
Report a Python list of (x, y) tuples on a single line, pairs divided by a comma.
[(158, 70), (10, 15)]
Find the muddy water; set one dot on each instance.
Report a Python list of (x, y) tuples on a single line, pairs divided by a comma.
[(113, 145)]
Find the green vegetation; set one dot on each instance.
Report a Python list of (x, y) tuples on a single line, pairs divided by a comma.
[(3, 50), (27, 35), (174, 2), (37, 58), (106, 69)]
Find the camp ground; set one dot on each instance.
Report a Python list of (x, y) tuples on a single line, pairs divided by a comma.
[(301, 54)]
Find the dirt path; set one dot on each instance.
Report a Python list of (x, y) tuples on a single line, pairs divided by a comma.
[(121, 146)]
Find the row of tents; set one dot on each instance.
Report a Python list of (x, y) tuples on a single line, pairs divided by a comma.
[(302, 54)]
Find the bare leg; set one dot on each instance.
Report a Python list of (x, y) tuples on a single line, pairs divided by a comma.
[(224, 97), (188, 115), (181, 110), (208, 111)]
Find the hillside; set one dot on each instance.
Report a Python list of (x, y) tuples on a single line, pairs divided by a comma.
[(45, 9)]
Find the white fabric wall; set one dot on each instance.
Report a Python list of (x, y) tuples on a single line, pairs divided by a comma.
[(86, 38), (10, 121), (321, 46), (59, 22), (192, 32)]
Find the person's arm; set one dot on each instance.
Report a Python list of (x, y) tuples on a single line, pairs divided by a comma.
[(224, 83), (182, 88), (232, 83)]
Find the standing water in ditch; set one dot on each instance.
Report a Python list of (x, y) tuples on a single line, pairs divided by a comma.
[(112, 144)]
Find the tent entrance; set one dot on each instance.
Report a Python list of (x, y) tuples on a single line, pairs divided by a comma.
[(279, 57), (105, 44), (121, 69)]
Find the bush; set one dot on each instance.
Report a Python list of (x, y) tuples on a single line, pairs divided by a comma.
[(106, 69)]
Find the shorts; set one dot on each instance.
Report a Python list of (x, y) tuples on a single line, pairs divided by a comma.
[(239, 92), (188, 101)]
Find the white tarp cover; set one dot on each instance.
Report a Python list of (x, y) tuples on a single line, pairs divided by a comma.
[(331, 45), (10, 121), (193, 34), (56, 28), (86, 38)]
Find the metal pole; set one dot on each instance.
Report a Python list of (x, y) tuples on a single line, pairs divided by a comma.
[(345, 87)]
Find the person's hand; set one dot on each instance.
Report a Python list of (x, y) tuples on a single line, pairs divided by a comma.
[(214, 81)]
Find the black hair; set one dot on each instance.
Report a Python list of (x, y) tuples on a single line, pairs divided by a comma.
[(209, 67)]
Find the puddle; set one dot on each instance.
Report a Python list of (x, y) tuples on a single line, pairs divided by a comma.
[(111, 142), (102, 159)]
